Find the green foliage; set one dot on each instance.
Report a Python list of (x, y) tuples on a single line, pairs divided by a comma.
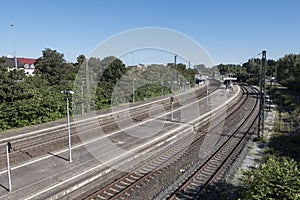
[(276, 178), (53, 67), (237, 71), (32, 100), (114, 69), (286, 137), (288, 70), (249, 71), (80, 60)]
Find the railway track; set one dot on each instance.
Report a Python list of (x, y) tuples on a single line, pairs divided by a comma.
[(42, 143), (159, 164), (214, 167)]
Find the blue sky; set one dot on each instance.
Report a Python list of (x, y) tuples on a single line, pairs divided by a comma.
[(231, 31)]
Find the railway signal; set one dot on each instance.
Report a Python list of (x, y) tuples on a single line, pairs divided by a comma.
[(68, 92)]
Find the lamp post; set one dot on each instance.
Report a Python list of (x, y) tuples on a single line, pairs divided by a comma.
[(67, 92), (207, 92), (175, 68), (8, 148), (81, 89), (132, 58), (133, 99), (162, 86), (147, 90), (14, 38)]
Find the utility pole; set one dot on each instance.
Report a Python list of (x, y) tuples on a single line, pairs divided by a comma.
[(262, 91)]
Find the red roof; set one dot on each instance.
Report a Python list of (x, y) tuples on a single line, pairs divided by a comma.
[(26, 60)]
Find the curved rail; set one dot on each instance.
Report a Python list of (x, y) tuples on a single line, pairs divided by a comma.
[(122, 187), (214, 166)]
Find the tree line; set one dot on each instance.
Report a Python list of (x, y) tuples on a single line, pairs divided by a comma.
[(28, 100), (285, 70)]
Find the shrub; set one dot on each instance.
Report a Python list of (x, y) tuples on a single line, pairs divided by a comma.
[(276, 178)]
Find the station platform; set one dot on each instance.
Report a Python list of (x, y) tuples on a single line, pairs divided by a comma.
[(52, 176)]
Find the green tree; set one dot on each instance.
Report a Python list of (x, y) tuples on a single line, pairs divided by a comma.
[(288, 71), (53, 67), (107, 72), (80, 59), (50, 61), (276, 178), (114, 69)]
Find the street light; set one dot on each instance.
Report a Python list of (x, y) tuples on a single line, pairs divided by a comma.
[(81, 89), (206, 87), (175, 83), (8, 148), (162, 86), (207, 91), (132, 53), (133, 100), (67, 92), (175, 68), (147, 90), (15, 57)]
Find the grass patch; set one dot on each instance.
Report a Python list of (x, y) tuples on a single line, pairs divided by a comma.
[(285, 140)]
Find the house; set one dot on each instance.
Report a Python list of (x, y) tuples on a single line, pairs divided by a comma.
[(26, 64), (8, 62)]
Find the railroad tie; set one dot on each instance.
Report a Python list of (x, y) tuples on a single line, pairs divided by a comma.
[(140, 173), (197, 182), (124, 183), (106, 192), (114, 189), (101, 197), (120, 186), (135, 176), (138, 186), (143, 171), (129, 180)]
